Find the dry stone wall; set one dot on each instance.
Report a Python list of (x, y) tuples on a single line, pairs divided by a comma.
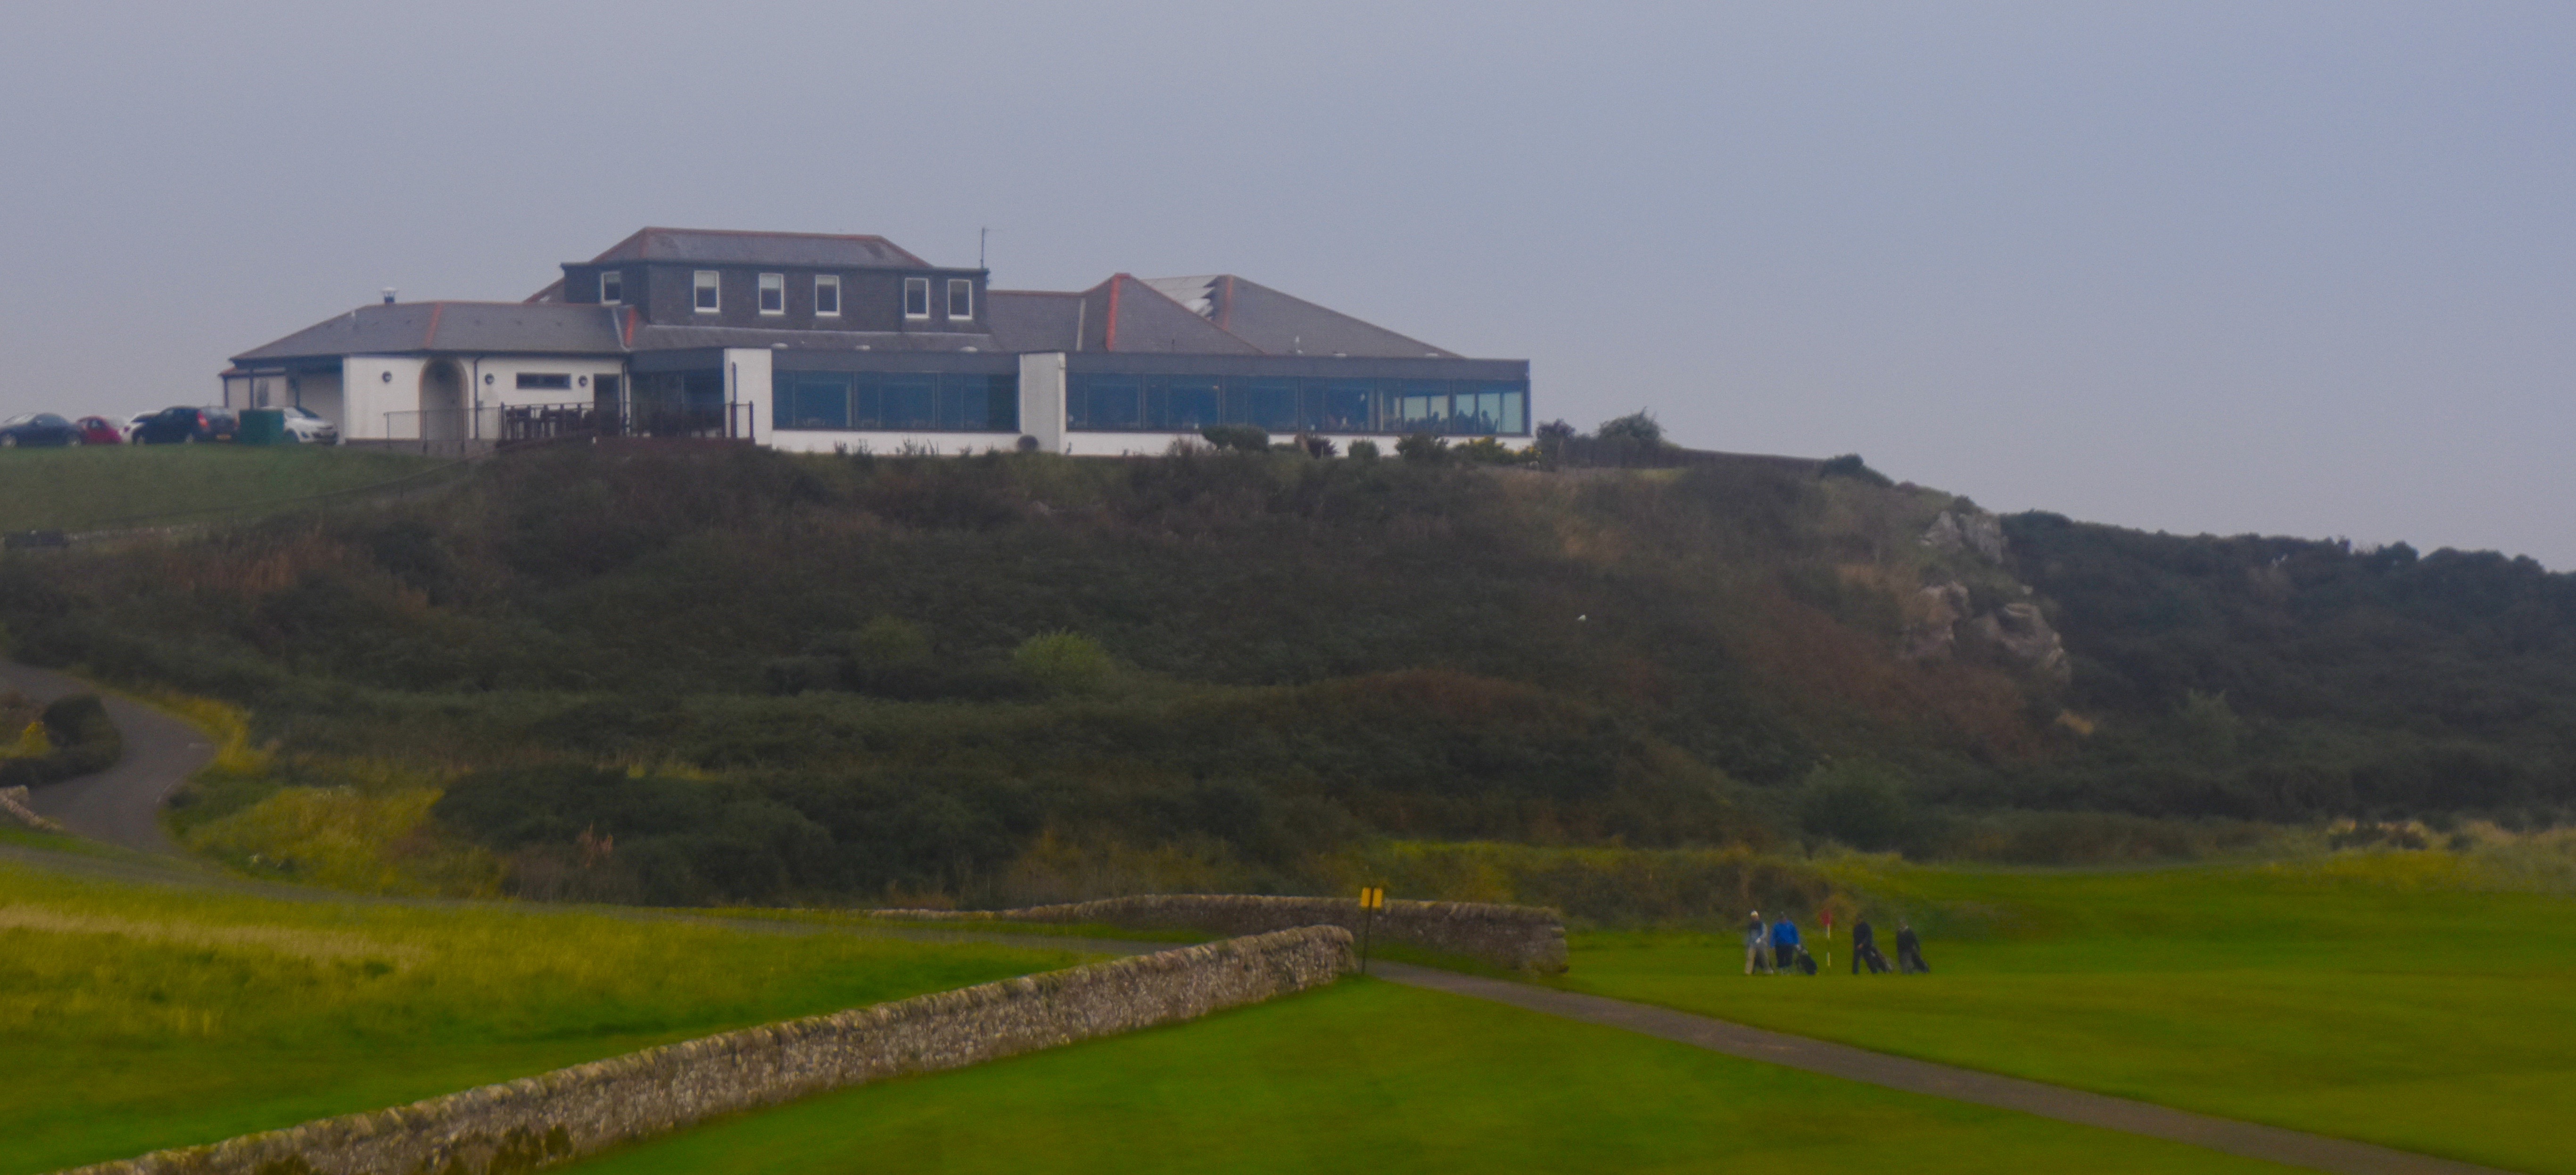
[(1521, 938), (571, 1112)]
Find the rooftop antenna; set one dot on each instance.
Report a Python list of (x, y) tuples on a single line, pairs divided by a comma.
[(980, 234)]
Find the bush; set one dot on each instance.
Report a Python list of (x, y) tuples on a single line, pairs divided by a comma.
[(1364, 450), (1062, 662), (82, 740), (1858, 803), (1422, 448), (1639, 427), (1850, 465), (1244, 438), (1488, 451)]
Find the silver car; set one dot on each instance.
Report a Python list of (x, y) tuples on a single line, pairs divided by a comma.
[(309, 429)]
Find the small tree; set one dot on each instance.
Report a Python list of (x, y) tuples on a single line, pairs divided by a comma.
[(1364, 450), (1639, 428)]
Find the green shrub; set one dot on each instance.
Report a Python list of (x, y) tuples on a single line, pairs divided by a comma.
[(1063, 662), (1850, 465), (1422, 448), (82, 740), (1639, 427), (1859, 803), (1364, 449)]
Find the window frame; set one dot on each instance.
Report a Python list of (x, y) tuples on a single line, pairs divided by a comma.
[(770, 283), (965, 286), (911, 284), (822, 282), (612, 287), (706, 291)]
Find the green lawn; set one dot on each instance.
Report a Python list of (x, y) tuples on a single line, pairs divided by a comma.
[(1371, 1076), (73, 489), (2380, 998), (134, 1017)]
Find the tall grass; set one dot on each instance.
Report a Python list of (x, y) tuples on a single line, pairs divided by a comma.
[(133, 1016)]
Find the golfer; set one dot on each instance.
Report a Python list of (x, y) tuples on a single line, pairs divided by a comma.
[(1865, 949), (1784, 943), (1909, 951), (1756, 936)]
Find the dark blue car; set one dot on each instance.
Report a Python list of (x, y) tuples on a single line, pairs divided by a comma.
[(38, 428)]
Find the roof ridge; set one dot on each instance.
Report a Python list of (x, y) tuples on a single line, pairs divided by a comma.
[(1257, 348), (877, 238)]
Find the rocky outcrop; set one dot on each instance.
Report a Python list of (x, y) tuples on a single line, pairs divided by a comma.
[(1944, 623), (1967, 530)]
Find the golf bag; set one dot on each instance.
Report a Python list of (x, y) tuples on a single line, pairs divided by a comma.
[(1911, 958), (1806, 962), (1867, 954)]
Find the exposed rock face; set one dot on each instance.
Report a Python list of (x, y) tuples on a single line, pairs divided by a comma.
[(1975, 531), (1944, 617)]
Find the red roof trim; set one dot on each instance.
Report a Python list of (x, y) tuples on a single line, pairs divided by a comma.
[(429, 342), (627, 338), (1109, 339)]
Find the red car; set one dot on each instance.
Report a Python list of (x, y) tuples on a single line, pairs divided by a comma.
[(99, 430)]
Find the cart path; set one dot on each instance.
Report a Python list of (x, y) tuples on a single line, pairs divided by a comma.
[(121, 805), (2315, 1152)]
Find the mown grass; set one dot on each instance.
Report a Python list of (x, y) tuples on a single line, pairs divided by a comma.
[(2418, 1000), (1369, 1076), (136, 1016), (73, 489)]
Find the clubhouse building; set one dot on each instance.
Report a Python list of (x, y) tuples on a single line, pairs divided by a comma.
[(814, 342)]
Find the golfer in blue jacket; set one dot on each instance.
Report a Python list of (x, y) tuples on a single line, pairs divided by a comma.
[(1784, 943)]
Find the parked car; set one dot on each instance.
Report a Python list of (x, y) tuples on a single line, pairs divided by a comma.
[(99, 430), (134, 422), (38, 428), (305, 428), (187, 426)]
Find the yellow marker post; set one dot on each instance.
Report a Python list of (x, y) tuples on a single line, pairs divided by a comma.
[(1372, 900)]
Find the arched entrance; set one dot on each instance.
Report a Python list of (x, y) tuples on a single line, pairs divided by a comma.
[(442, 401)]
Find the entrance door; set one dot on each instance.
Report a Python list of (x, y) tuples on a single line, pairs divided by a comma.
[(442, 402)]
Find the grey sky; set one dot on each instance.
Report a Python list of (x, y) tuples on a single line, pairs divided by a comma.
[(2295, 268)]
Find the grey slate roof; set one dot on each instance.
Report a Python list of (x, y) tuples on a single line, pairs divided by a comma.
[(674, 338), (750, 248), (499, 328), (1281, 324), (1124, 314), (1034, 320)]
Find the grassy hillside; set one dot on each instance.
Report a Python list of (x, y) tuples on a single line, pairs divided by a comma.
[(752, 676), (101, 486), (135, 1016), (2415, 999), (1370, 1076)]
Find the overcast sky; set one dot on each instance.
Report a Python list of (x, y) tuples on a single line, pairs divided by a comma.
[(2299, 268)]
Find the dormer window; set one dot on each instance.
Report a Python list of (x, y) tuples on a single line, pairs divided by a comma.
[(961, 297), (916, 297), (709, 295), (827, 296), (773, 293), (612, 287)]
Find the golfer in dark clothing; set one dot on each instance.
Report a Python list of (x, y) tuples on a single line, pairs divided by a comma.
[(1909, 951), (1865, 949), (1784, 943)]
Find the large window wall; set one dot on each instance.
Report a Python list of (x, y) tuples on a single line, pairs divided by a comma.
[(1107, 402), (895, 401)]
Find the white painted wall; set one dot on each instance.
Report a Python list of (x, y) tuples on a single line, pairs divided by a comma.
[(318, 392), (496, 379), (1042, 399), (372, 385), (747, 382)]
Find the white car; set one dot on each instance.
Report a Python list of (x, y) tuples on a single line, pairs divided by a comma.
[(309, 429)]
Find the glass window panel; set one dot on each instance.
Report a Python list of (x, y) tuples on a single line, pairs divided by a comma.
[(1002, 403), (867, 400), (773, 293), (916, 297), (911, 400), (1109, 401), (827, 295), (1342, 405), (1270, 404), (961, 298), (1421, 406), (1183, 403), (1516, 411), (821, 400)]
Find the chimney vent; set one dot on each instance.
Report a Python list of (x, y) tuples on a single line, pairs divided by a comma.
[(389, 295)]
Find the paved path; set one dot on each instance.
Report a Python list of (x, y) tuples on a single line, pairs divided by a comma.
[(121, 805), (2313, 1151)]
